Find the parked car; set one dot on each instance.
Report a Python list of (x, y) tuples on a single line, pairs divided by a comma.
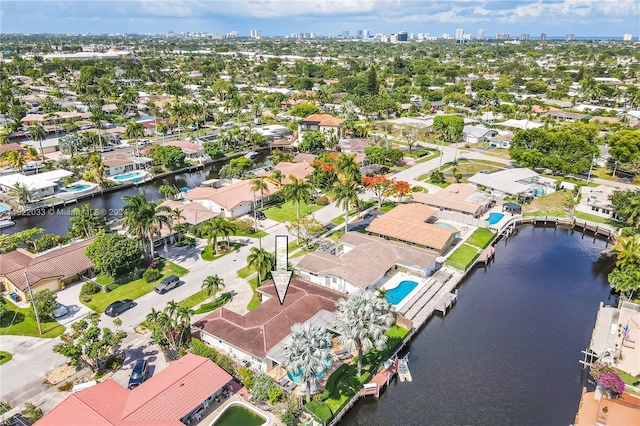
[(192, 127), (106, 149), (317, 194), (168, 283), (119, 306), (85, 126), (259, 214), (60, 310), (228, 125), (139, 373)]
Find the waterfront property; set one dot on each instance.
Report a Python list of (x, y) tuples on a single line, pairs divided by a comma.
[(175, 396), (520, 181), (192, 151), (240, 413), (596, 201), (232, 200), (40, 185), (359, 262), (117, 164), (256, 339), (598, 409), (413, 224), (50, 270), (135, 176), (458, 198)]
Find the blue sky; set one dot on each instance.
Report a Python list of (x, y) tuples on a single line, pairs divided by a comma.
[(324, 17)]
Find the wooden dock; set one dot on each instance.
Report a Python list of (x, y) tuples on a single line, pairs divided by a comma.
[(487, 255), (380, 380)]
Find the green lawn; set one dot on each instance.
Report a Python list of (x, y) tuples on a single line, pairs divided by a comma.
[(431, 156), (387, 205), (207, 253), (133, 289), (335, 236), (255, 300), (194, 299), (259, 234), (287, 212), (5, 357), (593, 218), (481, 237), (221, 299), (103, 279), (628, 378), (20, 322), (462, 257), (245, 272)]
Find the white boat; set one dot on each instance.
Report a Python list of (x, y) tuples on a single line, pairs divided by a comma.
[(6, 223), (251, 155)]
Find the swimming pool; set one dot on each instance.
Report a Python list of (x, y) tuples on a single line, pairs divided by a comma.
[(76, 188), (133, 176), (445, 225), (494, 218), (296, 377), (240, 413), (398, 293), (3, 208)]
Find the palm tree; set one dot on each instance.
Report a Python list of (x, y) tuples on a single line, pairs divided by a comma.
[(212, 284), (38, 133), (215, 227), (347, 195), (259, 184), (276, 175), (96, 119), (173, 218), (361, 321), (168, 191), (21, 193), (84, 221), (626, 250), (134, 131), (260, 261), (570, 204), (15, 160), (144, 218), (297, 191), (307, 352)]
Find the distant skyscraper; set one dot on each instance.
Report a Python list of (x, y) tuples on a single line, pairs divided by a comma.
[(627, 37), (345, 34), (359, 34), (480, 35), (524, 37), (403, 36), (256, 34), (502, 36), (312, 35), (569, 37), (232, 34), (543, 37), (459, 34), (365, 34)]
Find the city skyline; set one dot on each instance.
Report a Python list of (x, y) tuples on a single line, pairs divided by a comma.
[(584, 18)]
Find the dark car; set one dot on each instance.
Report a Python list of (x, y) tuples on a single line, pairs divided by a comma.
[(118, 307), (259, 215), (139, 373)]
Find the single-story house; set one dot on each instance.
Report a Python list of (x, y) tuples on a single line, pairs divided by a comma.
[(501, 140), (566, 116), (191, 150), (40, 185), (304, 157), (273, 132), (621, 410), (173, 397), (354, 145), (413, 224), (251, 337), (359, 261), (298, 170), (459, 198), (424, 123), (116, 164), (192, 213), (232, 200), (54, 118), (51, 270), (519, 181), (475, 134), (521, 124), (8, 147), (597, 199)]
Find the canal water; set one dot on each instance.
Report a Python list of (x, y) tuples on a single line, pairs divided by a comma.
[(56, 221), (508, 351)]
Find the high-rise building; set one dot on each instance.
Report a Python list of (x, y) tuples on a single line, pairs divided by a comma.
[(459, 34), (232, 34), (345, 34), (524, 37), (502, 36), (569, 37), (543, 37), (366, 34), (312, 35), (480, 34), (359, 34), (627, 37), (402, 36), (256, 34)]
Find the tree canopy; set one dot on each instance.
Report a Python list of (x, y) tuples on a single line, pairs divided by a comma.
[(114, 254)]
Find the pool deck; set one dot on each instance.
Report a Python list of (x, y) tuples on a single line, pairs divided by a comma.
[(395, 279)]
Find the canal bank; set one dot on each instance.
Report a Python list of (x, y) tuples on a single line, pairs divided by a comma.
[(507, 353)]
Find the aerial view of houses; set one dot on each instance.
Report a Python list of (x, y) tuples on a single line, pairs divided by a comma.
[(313, 228)]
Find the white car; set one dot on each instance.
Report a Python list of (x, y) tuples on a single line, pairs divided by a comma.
[(85, 127), (60, 310)]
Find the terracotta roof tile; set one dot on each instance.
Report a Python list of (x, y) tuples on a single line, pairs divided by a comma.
[(229, 196), (324, 120)]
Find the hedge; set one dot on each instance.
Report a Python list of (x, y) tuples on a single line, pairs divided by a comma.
[(208, 307), (320, 409), (225, 362)]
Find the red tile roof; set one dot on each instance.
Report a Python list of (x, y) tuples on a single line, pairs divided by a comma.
[(324, 120), (160, 401), (10, 147), (264, 327)]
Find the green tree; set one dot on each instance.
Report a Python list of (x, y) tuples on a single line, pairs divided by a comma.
[(262, 262), (171, 157), (85, 222), (307, 228), (259, 184), (87, 344), (372, 81), (26, 237), (307, 352), (31, 412), (625, 279), (626, 205), (361, 322), (114, 254), (169, 191), (213, 228), (171, 326), (304, 110), (143, 218), (37, 133), (297, 191), (16, 160), (21, 193), (624, 147), (71, 143), (212, 284), (311, 141), (133, 131), (346, 195), (347, 168), (45, 302)]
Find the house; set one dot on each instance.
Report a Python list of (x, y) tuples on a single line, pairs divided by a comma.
[(566, 116), (116, 166), (597, 200), (459, 198), (54, 118), (423, 123), (40, 185), (359, 261), (253, 337), (437, 105), (192, 150), (320, 122), (8, 147), (51, 270), (521, 124), (298, 170), (413, 224), (192, 213), (519, 181), (354, 145), (501, 140), (622, 410), (232, 200), (172, 397), (475, 134)]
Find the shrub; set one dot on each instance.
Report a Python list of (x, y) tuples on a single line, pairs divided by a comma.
[(320, 409), (31, 412), (275, 395), (220, 300), (289, 416), (437, 177), (245, 226), (246, 376), (151, 274), (322, 201), (156, 170), (67, 387), (225, 362), (89, 288), (261, 385)]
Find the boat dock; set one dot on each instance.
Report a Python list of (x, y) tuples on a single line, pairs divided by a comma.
[(380, 380)]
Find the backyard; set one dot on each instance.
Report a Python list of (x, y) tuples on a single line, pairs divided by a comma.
[(462, 257), (131, 290), (19, 322), (287, 212), (480, 238)]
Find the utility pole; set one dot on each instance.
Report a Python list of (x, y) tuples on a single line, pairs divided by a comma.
[(591, 168), (33, 302)]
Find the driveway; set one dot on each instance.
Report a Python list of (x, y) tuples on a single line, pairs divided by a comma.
[(70, 297)]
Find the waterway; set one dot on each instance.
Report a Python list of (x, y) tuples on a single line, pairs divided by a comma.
[(56, 221), (508, 351)]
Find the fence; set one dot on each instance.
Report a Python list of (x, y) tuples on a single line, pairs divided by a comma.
[(462, 218)]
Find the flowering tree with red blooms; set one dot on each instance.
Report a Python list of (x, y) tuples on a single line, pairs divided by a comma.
[(380, 185), (399, 188), (324, 169)]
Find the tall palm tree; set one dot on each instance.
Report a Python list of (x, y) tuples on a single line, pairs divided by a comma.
[(96, 119), (134, 131), (21, 193), (347, 195), (214, 228), (144, 218), (361, 321), (260, 261), (38, 133), (259, 184), (297, 191), (84, 221), (16, 160), (307, 352), (347, 168), (212, 284)]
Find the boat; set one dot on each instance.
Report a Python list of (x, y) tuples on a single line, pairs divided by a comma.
[(6, 223), (251, 155)]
